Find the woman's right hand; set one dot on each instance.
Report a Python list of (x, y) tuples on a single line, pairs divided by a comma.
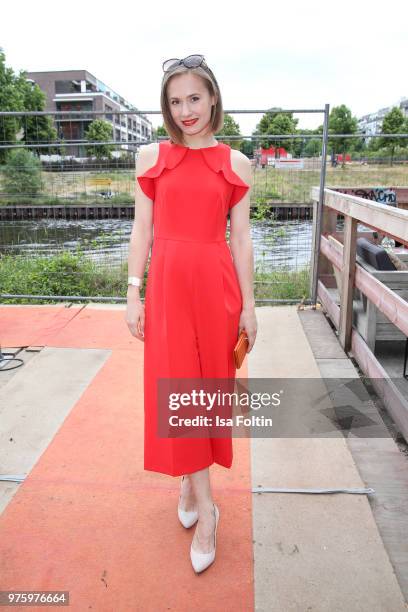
[(135, 315)]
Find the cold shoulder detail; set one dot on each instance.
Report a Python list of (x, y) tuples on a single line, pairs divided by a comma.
[(222, 163), (217, 158), (166, 159)]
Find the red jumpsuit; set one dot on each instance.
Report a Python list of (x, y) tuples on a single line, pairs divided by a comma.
[(193, 299)]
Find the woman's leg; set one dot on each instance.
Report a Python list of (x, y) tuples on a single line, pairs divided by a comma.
[(188, 500), (203, 540)]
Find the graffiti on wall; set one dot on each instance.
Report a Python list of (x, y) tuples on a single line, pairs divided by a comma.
[(376, 194)]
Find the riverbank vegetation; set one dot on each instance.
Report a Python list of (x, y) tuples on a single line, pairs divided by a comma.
[(72, 273)]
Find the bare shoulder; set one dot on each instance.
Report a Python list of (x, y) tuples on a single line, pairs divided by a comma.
[(241, 165), (147, 157)]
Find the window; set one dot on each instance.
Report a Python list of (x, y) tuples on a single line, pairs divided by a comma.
[(75, 105), (67, 87)]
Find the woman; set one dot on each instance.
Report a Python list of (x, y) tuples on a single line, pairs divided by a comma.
[(198, 297)]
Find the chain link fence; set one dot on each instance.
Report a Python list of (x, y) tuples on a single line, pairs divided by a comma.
[(67, 202)]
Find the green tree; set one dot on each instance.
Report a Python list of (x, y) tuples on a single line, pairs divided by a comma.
[(19, 95), (37, 128), (309, 147), (341, 121), (230, 128), (313, 147), (405, 131), (247, 147), (11, 99), (99, 131), (22, 173), (373, 144), (358, 145), (393, 123), (274, 122), (161, 132)]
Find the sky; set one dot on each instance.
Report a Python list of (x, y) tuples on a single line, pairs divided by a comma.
[(294, 55)]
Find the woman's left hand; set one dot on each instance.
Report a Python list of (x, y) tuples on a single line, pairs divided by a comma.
[(248, 322)]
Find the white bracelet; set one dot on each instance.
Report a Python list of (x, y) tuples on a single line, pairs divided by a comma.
[(134, 280)]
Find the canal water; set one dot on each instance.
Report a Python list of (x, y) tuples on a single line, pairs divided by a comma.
[(278, 245)]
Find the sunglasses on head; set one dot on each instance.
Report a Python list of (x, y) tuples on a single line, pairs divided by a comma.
[(191, 61)]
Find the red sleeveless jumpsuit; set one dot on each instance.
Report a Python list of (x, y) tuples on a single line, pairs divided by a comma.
[(193, 299)]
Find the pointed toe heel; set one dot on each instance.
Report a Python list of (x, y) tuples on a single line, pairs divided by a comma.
[(200, 561), (187, 517)]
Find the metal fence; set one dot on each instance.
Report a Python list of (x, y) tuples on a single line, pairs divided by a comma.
[(82, 200)]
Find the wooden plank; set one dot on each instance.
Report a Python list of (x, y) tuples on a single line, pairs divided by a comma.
[(337, 273), (395, 403), (385, 219), (322, 340), (347, 282), (332, 252), (400, 192), (371, 326), (392, 305), (328, 304), (319, 264)]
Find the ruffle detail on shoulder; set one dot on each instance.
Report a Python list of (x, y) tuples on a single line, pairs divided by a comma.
[(219, 160), (169, 157)]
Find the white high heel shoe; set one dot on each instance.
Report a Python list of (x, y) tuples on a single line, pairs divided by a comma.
[(187, 517), (200, 561)]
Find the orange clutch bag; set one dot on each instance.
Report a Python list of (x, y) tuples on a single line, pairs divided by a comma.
[(240, 349)]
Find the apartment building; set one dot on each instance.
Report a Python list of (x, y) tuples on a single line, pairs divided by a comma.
[(79, 90), (372, 123)]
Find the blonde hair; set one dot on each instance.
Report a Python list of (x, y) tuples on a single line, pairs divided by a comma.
[(217, 111)]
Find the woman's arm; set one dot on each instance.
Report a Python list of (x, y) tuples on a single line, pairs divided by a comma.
[(140, 241), (242, 248)]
